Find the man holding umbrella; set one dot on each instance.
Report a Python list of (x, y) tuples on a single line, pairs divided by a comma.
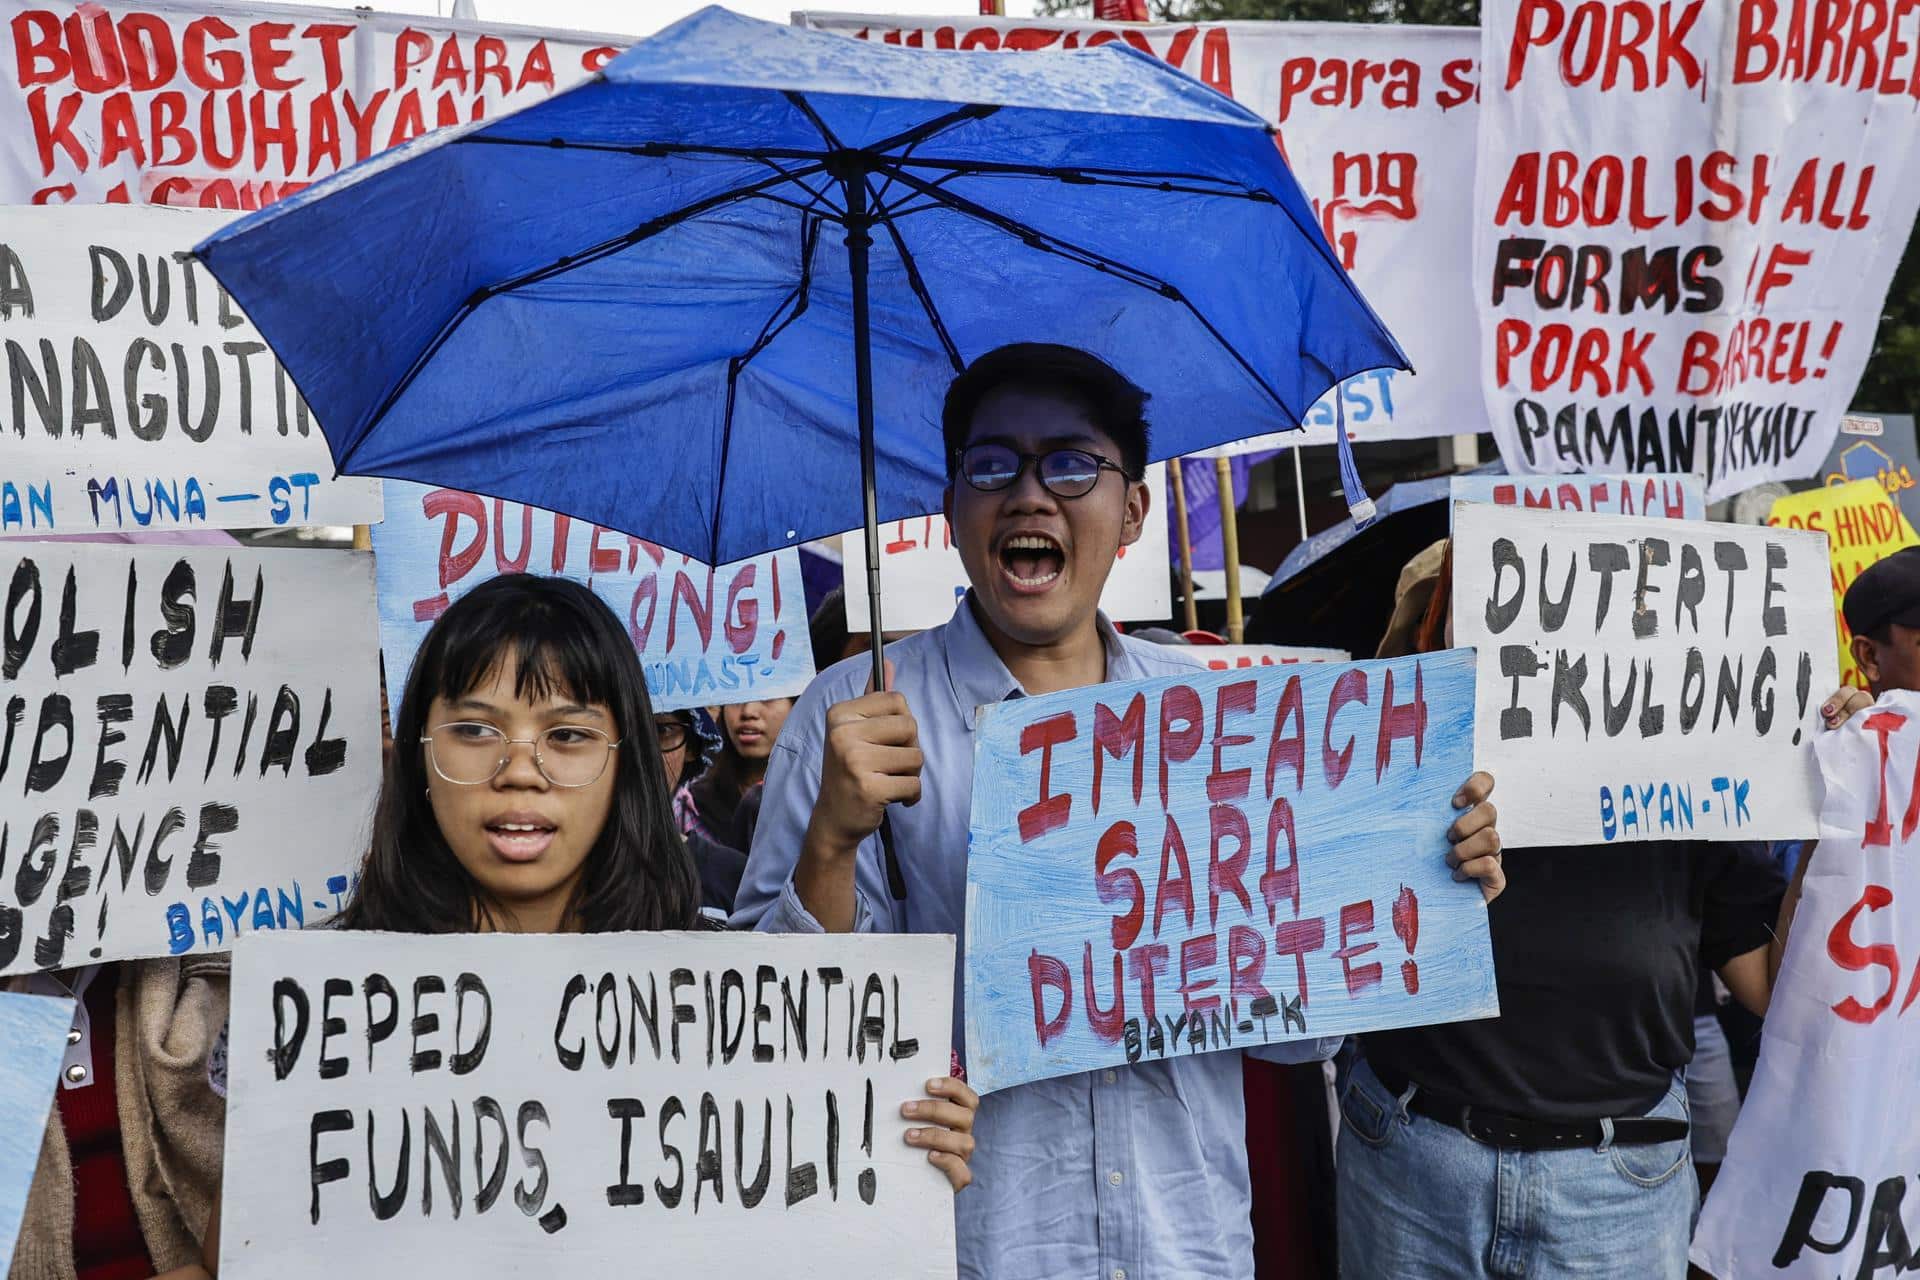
[(712, 294), (1135, 1172)]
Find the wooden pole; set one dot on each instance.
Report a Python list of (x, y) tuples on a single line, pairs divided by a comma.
[(363, 537), (1176, 469), (1230, 549)]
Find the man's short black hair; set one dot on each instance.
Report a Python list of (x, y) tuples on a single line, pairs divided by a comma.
[(1111, 402)]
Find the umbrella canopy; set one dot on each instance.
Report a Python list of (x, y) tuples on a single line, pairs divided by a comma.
[(637, 302)]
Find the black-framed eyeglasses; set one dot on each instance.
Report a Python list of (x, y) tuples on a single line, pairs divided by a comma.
[(672, 734), (471, 753), (1064, 473)]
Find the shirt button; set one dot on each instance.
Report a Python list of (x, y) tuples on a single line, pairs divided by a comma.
[(76, 1073), (1115, 1178), (1112, 1076), (73, 1036), (1119, 1273)]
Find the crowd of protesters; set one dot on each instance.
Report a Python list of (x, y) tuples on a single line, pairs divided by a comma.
[(1567, 1137)]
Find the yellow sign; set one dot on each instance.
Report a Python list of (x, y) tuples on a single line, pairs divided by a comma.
[(1862, 525)]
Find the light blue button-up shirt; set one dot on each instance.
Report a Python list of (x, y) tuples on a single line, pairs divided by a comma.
[(1139, 1173)]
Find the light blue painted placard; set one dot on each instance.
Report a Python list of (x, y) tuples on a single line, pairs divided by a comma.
[(1273, 841), (1654, 493), (33, 1040), (706, 636)]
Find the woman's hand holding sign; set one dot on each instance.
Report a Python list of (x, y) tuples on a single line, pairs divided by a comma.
[(871, 758), (1476, 844)]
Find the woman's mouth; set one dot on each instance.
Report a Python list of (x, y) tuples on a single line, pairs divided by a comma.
[(1031, 562), (519, 839)]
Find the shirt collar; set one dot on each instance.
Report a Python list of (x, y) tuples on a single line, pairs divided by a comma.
[(978, 676)]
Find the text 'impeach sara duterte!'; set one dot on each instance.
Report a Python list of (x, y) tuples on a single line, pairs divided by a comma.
[(1226, 860)]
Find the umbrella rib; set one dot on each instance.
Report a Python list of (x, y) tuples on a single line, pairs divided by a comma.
[(819, 200), (1040, 240), (607, 248), (919, 286), (796, 299), (799, 100), (1077, 175), (927, 129)]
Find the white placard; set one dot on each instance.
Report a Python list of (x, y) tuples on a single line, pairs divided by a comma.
[(921, 576), (233, 107), (1233, 657), (1378, 124), (1686, 217), (140, 397), (1644, 678), (1826, 1149), (191, 750), (610, 1105)]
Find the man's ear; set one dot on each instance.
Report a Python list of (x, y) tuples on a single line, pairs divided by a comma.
[(946, 502), (1139, 505), (1866, 656)]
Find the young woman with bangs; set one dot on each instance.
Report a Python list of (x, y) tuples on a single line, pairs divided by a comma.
[(526, 793)]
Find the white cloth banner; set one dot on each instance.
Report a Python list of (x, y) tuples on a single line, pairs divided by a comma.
[(602, 1105), (1377, 123), (1643, 678), (130, 670), (232, 107), (921, 575), (1686, 217), (139, 397), (1827, 1146)]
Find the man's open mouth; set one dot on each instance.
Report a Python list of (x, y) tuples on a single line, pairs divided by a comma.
[(1032, 560)]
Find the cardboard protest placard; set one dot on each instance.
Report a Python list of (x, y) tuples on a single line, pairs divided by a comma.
[(1826, 1149), (1863, 526), (1644, 678), (1377, 123), (1681, 240), (1176, 866), (1674, 497), (921, 577), (549, 1105), (1878, 447), (192, 746), (232, 107), (706, 636), (33, 1040), (1239, 657), (141, 398)]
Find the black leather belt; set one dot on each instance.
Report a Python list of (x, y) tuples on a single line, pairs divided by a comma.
[(1523, 1133)]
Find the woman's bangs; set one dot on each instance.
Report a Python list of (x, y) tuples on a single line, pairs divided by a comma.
[(553, 656)]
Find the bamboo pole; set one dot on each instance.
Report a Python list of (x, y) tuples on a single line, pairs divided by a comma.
[(1230, 548), (1177, 471)]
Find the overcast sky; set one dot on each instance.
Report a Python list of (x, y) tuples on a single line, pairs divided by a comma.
[(643, 17)]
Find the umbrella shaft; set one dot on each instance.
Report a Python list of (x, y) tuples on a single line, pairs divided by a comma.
[(859, 240)]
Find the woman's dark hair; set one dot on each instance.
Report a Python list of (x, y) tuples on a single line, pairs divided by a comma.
[(1111, 402), (563, 640)]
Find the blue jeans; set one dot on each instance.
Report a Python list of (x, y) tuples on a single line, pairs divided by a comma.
[(1419, 1198)]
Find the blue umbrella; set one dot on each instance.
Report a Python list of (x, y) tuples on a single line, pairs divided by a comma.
[(681, 297)]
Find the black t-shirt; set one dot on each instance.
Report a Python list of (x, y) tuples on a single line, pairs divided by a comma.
[(1597, 951)]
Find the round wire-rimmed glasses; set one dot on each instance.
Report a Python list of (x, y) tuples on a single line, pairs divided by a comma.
[(471, 753), (1064, 473)]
